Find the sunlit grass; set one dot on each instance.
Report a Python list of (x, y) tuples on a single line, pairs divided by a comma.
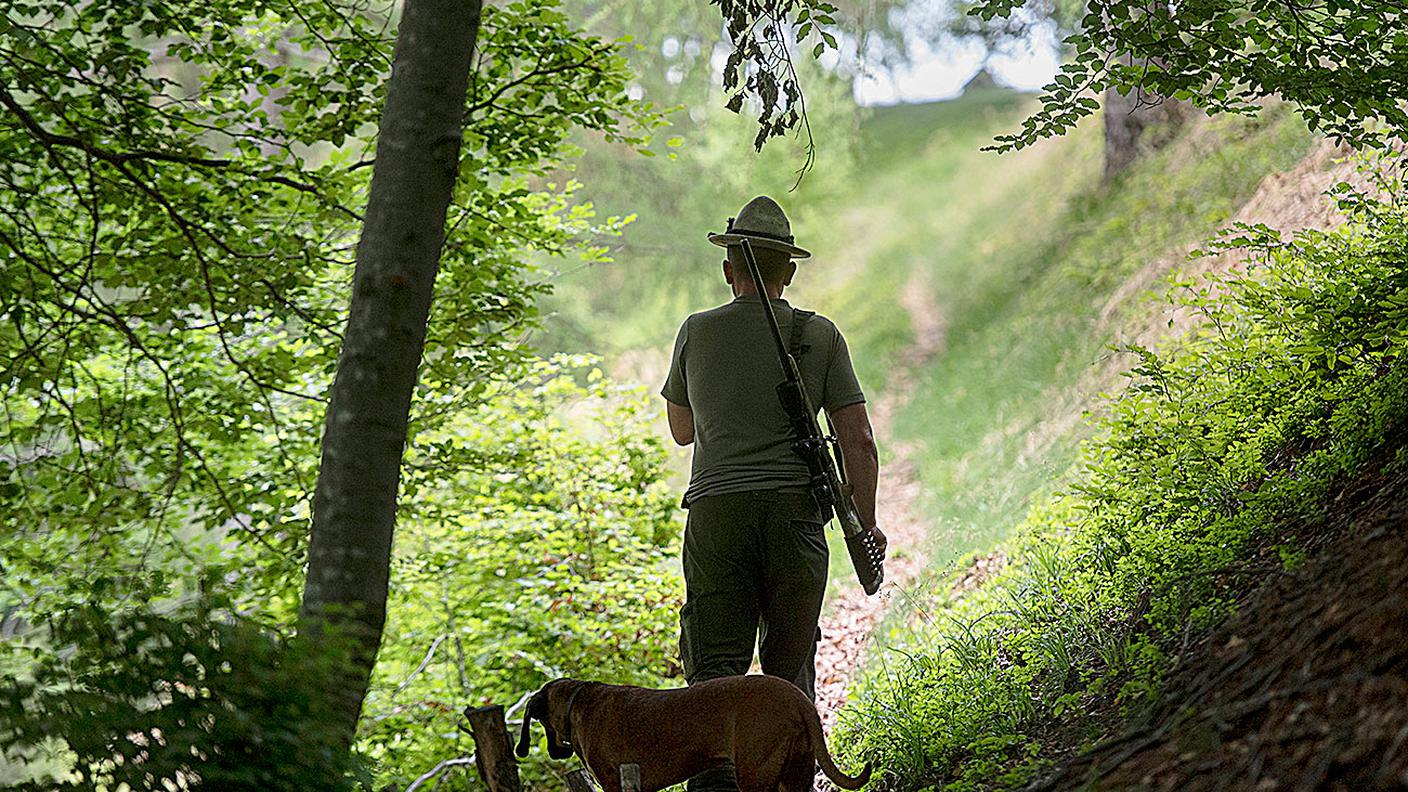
[(1031, 270), (1021, 254)]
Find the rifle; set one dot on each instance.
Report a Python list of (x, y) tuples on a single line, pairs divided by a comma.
[(827, 478)]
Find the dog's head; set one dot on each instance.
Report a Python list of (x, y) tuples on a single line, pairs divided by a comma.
[(549, 705)]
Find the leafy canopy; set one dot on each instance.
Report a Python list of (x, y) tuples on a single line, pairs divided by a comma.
[(1344, 63), (182, 184)]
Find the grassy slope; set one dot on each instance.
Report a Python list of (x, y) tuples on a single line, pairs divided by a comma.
[(931, 204), (1020, 254), (1227, 446), (1033, 279)]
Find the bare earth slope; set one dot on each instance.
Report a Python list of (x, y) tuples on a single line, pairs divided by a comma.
[(1306, 688)]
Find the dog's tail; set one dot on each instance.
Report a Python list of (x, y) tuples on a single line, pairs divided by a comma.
[(823, 756)]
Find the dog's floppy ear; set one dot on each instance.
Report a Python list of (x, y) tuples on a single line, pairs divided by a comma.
[(524, 735), (535, 709)]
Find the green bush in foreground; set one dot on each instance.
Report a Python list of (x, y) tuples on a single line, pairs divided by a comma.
[(549, 553), (1223, 443), (547, 549), (167, 696)]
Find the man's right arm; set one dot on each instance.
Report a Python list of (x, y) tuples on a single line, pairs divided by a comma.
[(845, 403), (681, 422), (676, 393)]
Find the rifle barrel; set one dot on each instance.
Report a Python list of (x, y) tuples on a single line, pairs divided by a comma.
[(828, 476)]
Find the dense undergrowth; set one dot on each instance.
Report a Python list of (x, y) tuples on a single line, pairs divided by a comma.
[(548, 558), (1223, 443), (544, 554)]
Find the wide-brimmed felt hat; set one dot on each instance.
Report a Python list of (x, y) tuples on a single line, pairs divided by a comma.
[(763, 223)]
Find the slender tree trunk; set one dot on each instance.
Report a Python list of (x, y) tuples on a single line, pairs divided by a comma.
[(1127, 120), (364, 435)]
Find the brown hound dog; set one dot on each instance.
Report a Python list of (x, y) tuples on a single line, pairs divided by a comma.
[(766, 726)]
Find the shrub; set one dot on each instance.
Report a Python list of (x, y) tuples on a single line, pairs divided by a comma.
[(545, 550), (191, 698), (552, 554)]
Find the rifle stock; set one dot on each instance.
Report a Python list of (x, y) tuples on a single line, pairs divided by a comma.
[(826, 479)]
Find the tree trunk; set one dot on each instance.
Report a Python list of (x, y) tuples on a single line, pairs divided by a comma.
[(364, 434), (493, 748), (1129, 117)]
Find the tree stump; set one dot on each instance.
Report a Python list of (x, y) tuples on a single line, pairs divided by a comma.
[(578, 781), (493, 749), (630, 778)]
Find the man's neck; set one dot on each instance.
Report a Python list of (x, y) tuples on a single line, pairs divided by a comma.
[(747, 289)]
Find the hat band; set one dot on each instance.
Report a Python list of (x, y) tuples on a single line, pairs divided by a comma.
[(765, 235)]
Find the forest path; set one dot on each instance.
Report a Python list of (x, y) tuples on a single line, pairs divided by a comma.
[(851, 616)]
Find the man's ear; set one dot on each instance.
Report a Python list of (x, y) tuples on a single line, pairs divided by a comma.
[(728, 272), (791, 270)]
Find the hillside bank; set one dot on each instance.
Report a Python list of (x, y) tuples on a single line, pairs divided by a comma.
[(1278, 350)]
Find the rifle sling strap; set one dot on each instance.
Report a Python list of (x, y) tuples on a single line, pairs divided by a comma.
[(799, 324)]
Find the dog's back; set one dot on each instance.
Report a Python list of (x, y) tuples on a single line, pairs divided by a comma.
[(773, 713), (766, 726)]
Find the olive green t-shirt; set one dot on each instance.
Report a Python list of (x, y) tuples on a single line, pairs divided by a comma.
[(725, 369)]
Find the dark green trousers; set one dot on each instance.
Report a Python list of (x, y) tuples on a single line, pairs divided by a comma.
[(755, 567)]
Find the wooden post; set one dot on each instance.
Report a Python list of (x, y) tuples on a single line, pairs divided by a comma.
[(493, 748), (630, 778), (577, 781)]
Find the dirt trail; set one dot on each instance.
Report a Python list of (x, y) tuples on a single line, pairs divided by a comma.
[(852, 616)]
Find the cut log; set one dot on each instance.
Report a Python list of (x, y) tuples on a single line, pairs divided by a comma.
[(493, 749)]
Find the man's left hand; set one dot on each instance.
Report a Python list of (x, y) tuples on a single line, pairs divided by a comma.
[(879, 537)]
